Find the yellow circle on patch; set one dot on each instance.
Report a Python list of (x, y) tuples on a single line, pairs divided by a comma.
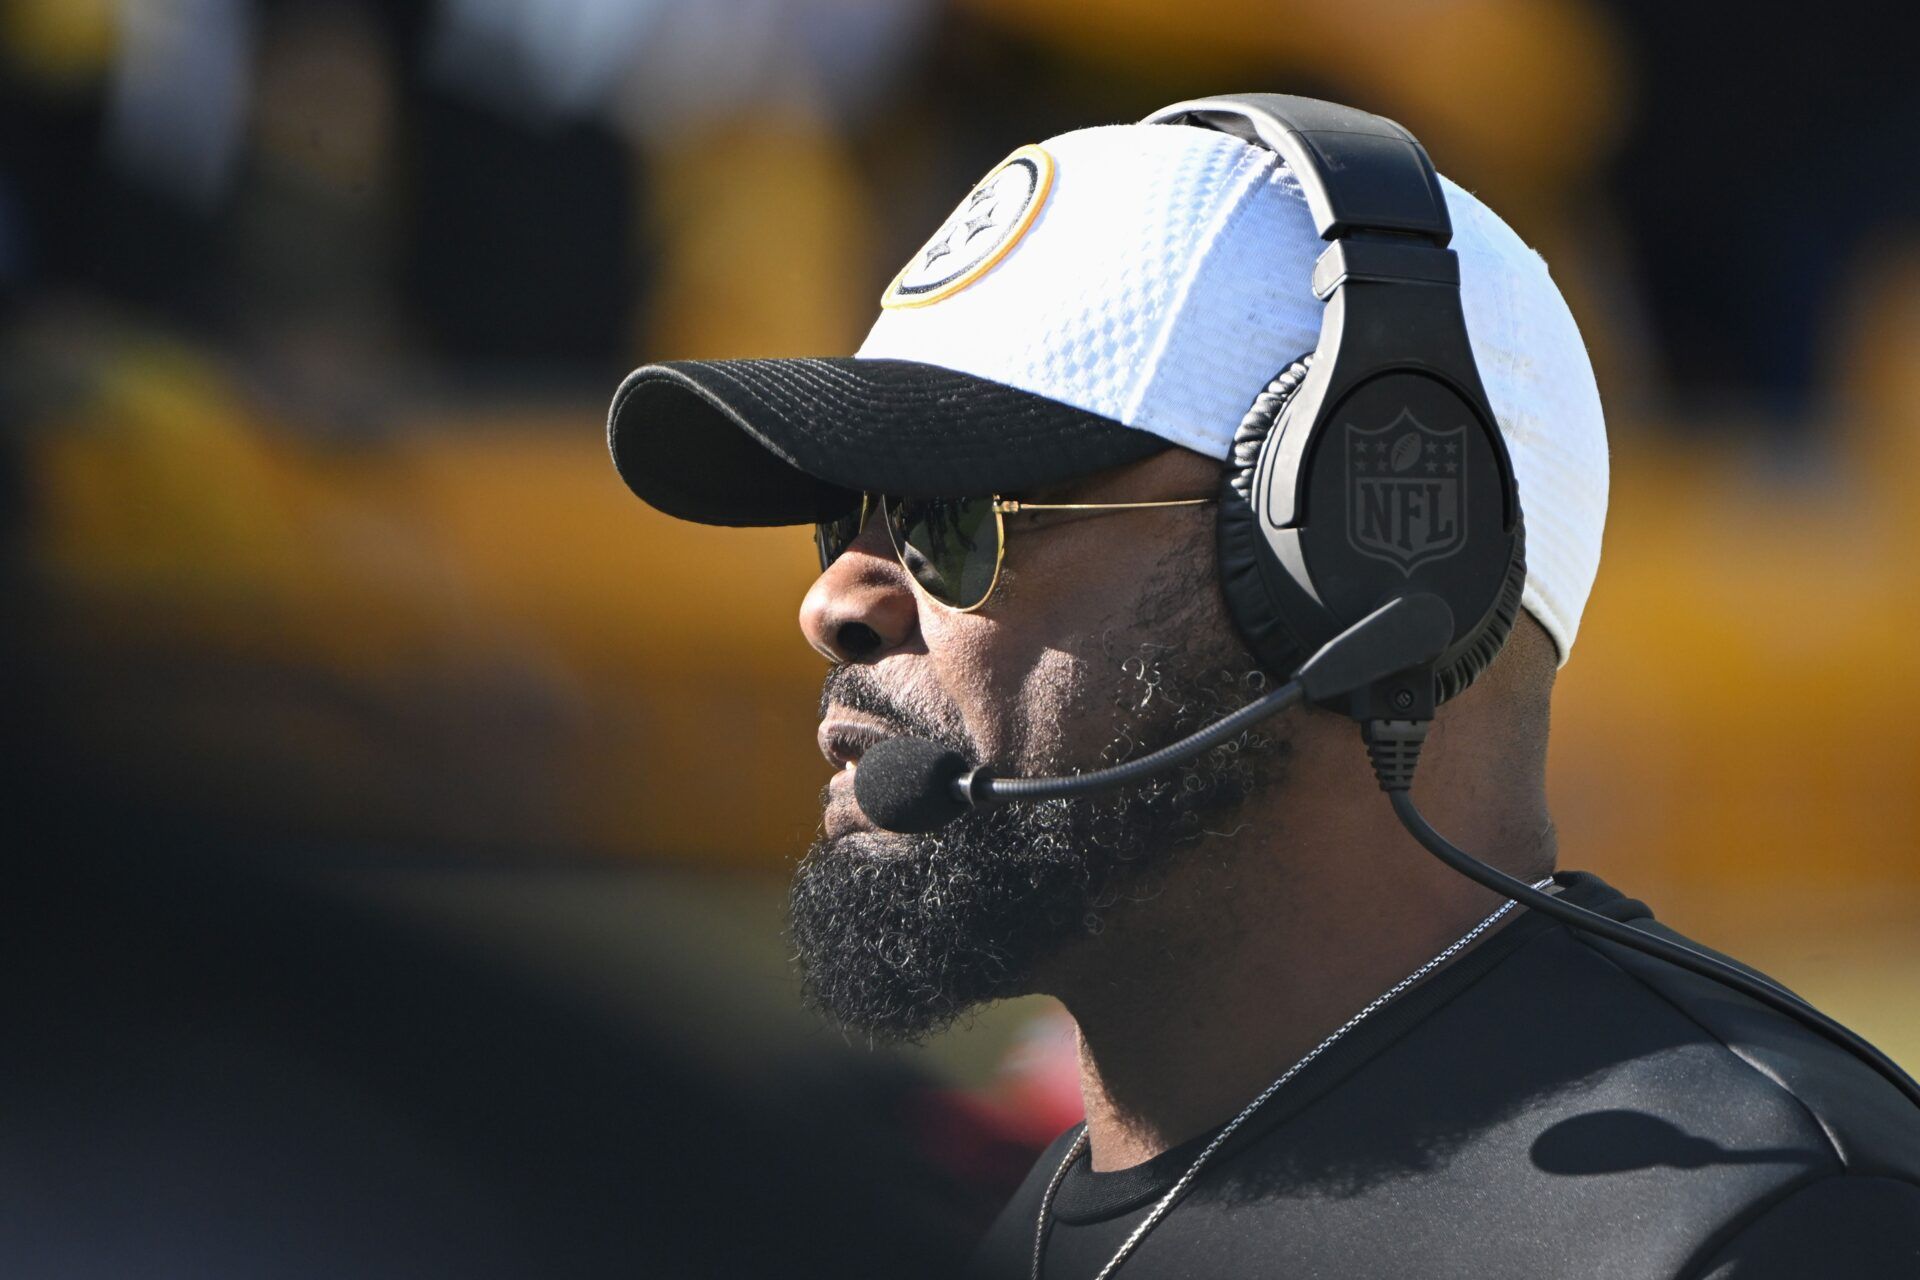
[(983, 230)]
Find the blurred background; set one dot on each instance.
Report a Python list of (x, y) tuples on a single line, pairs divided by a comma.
[(400, 814)]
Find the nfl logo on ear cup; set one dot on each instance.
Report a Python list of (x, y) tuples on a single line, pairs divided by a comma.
[(1404, 491), (1400, 488)]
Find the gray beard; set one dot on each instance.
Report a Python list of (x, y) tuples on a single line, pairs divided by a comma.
[(899, 935)]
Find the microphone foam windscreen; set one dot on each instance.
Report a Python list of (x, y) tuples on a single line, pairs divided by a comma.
[(906, 784)]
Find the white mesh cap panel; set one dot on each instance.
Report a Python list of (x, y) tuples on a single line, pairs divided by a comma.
[(1166, 281), (1074, 309), (1248, 312), (1540, 383)]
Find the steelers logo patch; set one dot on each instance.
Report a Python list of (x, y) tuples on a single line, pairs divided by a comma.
[(983, 230)]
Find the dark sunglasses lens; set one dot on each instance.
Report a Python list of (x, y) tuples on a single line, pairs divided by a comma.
[(831, 538), (951, 546)]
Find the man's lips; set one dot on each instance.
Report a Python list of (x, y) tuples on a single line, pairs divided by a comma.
[(845, 736)]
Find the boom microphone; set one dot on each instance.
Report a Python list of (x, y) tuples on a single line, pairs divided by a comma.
[(906, 784), (913, 785)]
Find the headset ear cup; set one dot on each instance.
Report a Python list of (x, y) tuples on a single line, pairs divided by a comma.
[(1246, 562), (1263, 625), (1460, 666)]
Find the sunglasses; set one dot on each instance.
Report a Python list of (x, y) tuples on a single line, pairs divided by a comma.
[(951, 547)]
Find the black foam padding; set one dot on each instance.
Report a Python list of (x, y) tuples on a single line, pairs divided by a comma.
[(1270, 634), (906, 784), (1462, 664)]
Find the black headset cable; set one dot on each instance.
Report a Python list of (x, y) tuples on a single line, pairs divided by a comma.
[(1395, 747)]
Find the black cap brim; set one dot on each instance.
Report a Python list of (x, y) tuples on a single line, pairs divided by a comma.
[(769, 442)]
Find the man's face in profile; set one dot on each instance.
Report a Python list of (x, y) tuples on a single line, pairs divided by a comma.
[(1105, 639)]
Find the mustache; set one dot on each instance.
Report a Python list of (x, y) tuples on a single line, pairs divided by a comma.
[(857, 689)]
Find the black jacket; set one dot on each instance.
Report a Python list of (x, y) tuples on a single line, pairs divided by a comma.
[(1549, 1105)]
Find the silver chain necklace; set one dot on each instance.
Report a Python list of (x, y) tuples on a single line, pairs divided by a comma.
[(1193, 1171)]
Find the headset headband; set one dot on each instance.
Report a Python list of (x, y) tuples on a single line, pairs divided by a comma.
[(1360, 172)]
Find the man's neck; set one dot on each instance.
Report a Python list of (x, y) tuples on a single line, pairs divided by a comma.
[(1193, 1002)]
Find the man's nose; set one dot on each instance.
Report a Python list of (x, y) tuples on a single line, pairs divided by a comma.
[(862, 606)]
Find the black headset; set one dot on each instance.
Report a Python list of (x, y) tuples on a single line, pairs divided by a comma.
[(1330, 514), (1371, 467), (1371, 546)]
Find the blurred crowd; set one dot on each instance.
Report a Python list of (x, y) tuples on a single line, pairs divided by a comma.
[(312, 555), (357, 201), (311, 309)]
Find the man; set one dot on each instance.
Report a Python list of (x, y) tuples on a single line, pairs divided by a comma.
[(1305, 1048)]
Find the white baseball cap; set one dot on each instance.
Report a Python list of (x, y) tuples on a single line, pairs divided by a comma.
[(1092, 300)]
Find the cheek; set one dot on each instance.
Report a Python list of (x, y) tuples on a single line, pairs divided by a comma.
[(1049, 696), (1063, 717), (1037, 681), (972, 668), (1014, 685)]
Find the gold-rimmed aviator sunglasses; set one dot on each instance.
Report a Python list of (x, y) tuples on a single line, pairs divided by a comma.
[(952, 548)]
